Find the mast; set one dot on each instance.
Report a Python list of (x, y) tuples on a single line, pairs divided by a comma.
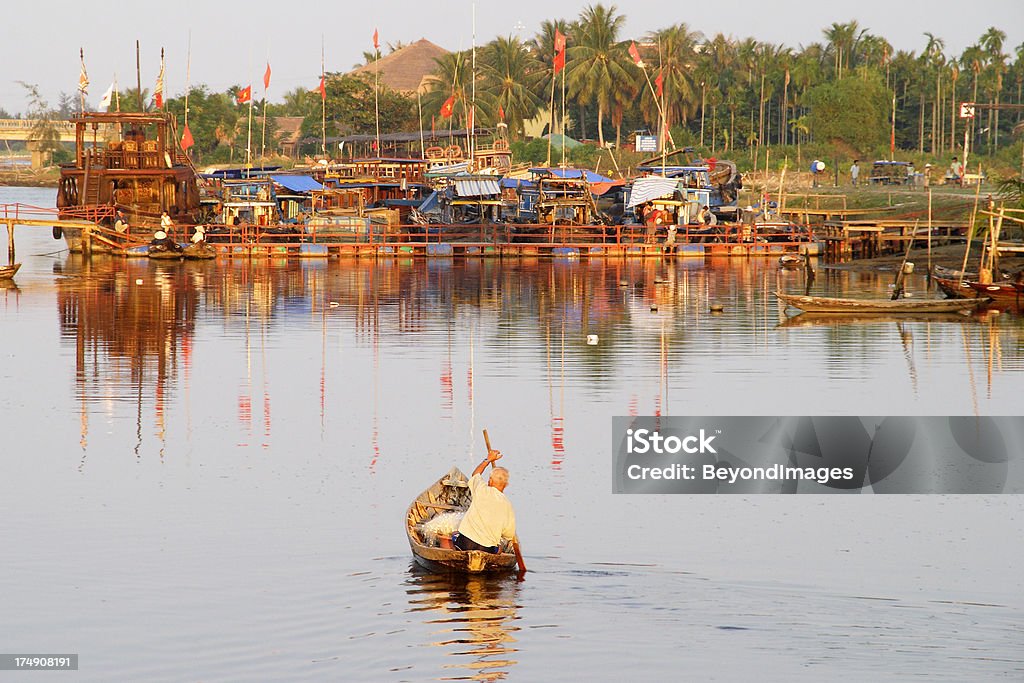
[(266, 87), (419, 117), (138, 75), (248, 137)]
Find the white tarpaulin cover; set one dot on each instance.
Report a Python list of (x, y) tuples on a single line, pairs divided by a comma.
[(651, 187)]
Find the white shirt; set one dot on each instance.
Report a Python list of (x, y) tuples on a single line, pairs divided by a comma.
[(490, 516)]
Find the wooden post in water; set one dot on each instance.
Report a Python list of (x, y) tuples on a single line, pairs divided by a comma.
[(87, 241), (10, 241)]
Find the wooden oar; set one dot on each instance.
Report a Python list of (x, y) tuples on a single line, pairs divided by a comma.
[(515, 541)]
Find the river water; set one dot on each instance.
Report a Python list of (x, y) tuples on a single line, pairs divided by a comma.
[(206, 466)]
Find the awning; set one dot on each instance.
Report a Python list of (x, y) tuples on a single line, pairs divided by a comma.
[(297, 183), (600, 188), (589, 176), (477, 187), (651, 187)]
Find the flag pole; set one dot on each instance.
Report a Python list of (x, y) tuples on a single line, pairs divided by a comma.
[(376, 89), (472, 115), (419, 117), (188, 78), (563, 118), (551, 111), (266, 87), (81, 92), (248, 138), (138, 75), (323, 101), (664, 118)]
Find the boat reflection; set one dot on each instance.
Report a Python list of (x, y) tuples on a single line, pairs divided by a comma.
[(473, 618)]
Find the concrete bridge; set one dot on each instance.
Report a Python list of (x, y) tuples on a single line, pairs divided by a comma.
[(21, 129)]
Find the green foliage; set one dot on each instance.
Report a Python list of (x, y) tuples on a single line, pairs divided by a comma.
[(536, 152), (852, 110), (350, 108)]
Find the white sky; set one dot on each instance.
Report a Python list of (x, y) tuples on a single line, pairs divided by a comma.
[(232, 40)]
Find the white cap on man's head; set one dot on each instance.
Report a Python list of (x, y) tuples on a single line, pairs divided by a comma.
[(160, 235)]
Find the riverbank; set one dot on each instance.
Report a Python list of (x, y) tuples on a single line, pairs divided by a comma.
[(948, 256), (46, 177)]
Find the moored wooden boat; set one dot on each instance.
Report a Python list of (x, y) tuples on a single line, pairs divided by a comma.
[(822, 304), (160, 251), (200, 251), (999, 291), (954, 288), (7, 272), (790, 261), (450, 493)]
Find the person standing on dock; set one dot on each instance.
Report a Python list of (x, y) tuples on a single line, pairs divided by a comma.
[(490, 517), (956, 172), (854, 172)]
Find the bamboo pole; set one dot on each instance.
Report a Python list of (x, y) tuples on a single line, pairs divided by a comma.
[(138, 74)]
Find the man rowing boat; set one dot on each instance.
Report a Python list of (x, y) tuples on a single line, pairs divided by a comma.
[(490, 517)]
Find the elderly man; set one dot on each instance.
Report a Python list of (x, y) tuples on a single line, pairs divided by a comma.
[(490, 517)]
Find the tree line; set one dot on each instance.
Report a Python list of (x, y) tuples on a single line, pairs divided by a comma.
[(722, 94)]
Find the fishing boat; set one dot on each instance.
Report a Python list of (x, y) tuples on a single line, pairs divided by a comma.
[(7, 272), (823, 304), (450, 493), (837, 319)]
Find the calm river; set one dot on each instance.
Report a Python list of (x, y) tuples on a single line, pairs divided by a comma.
[(206, 466)]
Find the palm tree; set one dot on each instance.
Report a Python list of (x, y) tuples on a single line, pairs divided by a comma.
[(510, 77), (597, 64), (992, 42), (451, 79), (843, 40), (934, 59), (677, 62)]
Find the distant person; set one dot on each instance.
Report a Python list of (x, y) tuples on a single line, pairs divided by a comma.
[(490, 517), (166, 224), (854, 172), (956, 172), (199, 235), (121, 224), (817, 168), (707, 216)]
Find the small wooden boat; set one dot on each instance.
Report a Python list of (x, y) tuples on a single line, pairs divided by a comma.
[(162, 251), (791, 261), (449, 494), (836, 319), (200, 251), (822, 304), (7, 272), (954, 287), (999, 291)]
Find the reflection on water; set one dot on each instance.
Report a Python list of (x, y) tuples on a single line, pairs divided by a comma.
[(473, 618), (134, 325)]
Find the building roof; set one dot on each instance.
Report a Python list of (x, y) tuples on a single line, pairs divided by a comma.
[(407, 69), (288, 128)]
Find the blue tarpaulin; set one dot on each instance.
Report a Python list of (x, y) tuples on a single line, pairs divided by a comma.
[(589, 176), (297, 183)]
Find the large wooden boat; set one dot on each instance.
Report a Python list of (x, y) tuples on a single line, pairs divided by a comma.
[(126, 161), (999, 291), (449, 494), (8, 272), (822, 304)]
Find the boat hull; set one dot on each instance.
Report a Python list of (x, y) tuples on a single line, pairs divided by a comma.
[(820, 304), (449, 494), (8, 272)]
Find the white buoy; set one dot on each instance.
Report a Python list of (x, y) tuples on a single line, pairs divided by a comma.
[(139, 281), (333, 304), (592, 339), (623, 283)]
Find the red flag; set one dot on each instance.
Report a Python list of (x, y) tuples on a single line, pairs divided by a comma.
[(559, 41), (501, 112), (244, 95), (186, 139), (448, 107), (660, 83), (635, 54), (266, 77), (322, 89), (376, 41), (559, 51)]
